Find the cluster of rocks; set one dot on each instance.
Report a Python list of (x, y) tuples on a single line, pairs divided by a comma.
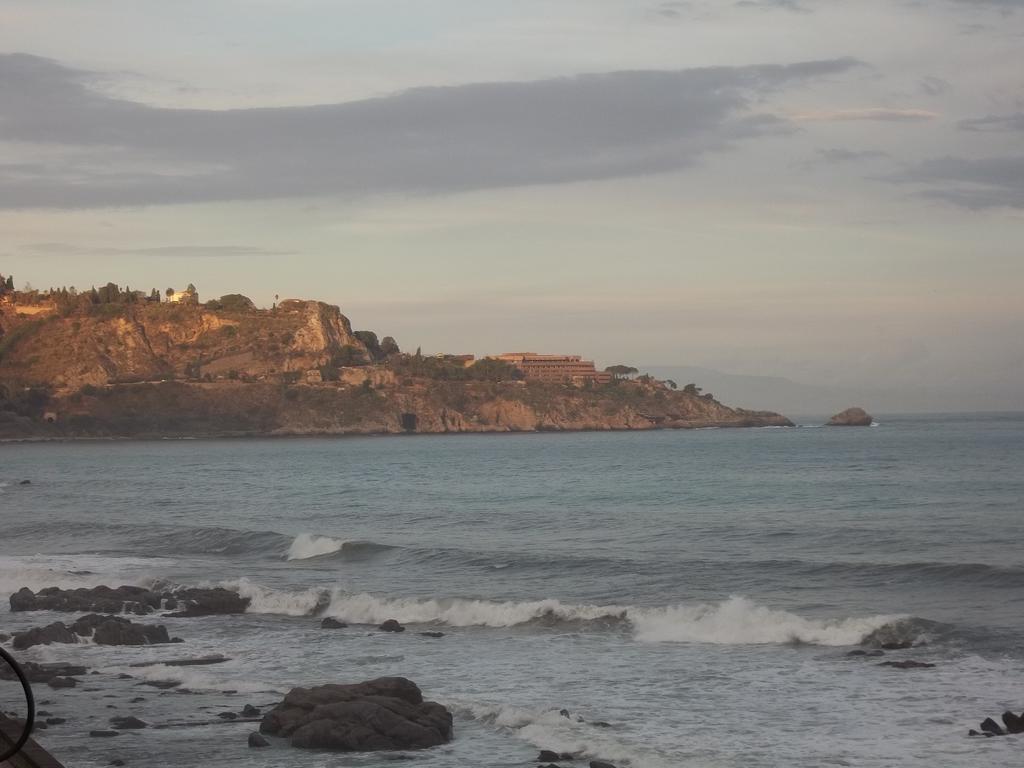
[(851, 417), (1013, 723), (894, 636), (53, 675), (387, 713), (104, 630), (391, 625), (186, 602), (553, 758)]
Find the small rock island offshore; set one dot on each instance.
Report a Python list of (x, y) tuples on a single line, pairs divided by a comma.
[(113, 362)]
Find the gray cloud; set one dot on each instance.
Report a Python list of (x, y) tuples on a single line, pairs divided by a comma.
[(883, 114), (1008, 5), (994, 123), (788, 5), (934, 86), (174, 251), (975, 183), (441, 139), (839, 155)]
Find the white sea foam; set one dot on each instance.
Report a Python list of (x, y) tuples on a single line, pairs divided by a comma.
[(191, 678), (365, 608), (73, 571), (277, 601), (546, 728), (740, 621), (736, 621), (307, 545)]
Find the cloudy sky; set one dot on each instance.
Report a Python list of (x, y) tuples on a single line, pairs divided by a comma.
[(826, 190)]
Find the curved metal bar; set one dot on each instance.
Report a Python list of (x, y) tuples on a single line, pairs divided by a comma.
[(30, 719)]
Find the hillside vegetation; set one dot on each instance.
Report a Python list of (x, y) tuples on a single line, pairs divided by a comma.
[(106, 365)]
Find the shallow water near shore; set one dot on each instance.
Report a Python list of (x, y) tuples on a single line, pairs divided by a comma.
[(696, 591)]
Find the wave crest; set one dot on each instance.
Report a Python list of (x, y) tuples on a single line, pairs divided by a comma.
[(306, 545), (736, 621), (741, 621)]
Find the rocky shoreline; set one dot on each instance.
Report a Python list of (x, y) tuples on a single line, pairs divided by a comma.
[(387, 714)]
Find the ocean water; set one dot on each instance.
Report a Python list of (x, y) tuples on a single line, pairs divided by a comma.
[(697, 591)]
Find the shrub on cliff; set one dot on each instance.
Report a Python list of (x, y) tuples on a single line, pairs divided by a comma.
[(232, 302)]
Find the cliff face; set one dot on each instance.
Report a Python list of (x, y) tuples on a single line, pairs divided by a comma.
[(157, 341), (149, 370), (233, 408)]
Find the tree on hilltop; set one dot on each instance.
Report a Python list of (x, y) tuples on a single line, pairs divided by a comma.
[(388, 346), (621, 371), (691, 389)]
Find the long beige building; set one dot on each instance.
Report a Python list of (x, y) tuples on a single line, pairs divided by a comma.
[(555, 369)]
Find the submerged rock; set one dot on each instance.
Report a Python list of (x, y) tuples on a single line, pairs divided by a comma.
[(1014, 723), (851, 417), (104, 630), (128, 599), (330, 623), (257, 741), (250, 711), (391, 625), (128, 723), (991, 726), (388, 713), (908, 664)]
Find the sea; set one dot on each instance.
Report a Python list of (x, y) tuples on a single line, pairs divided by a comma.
[(651, 599)]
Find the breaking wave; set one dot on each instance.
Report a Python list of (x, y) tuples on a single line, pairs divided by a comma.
[(549, 728), (740, 621), (306, 545), (736, 621)]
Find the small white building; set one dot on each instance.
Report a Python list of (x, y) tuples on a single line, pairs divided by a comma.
[(188, 296)]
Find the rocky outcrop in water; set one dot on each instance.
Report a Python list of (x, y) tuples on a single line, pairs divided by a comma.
[(104, 630), (46, 673), (128, 599), (851, 417), (1013, 723), (388, 713)]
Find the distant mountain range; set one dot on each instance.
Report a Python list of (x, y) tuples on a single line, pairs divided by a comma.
[(814, 401)]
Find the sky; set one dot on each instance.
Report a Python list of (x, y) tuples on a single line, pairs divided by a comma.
[(827, 191)]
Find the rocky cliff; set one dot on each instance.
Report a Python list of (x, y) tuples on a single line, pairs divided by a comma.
[(149, 342), (167, 370)]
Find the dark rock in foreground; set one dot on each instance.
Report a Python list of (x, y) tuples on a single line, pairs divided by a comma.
[(388, 713), (908, 664), (45, 673), (1014, 724), (104, 630), (330, 623), (255, 740), (128, 723), (851, 417), (894, 636), (196, 662), (548, 756), (128, 599), (391, 625)]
